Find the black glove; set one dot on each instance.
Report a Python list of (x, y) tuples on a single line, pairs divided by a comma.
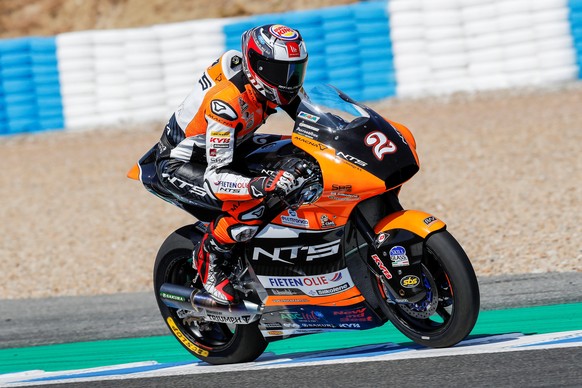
[(280, 184)]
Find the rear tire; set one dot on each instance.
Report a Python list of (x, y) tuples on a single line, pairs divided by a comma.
[(212, 342), (449, 312)]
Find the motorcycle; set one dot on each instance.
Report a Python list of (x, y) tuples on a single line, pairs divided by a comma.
[(338, 253)]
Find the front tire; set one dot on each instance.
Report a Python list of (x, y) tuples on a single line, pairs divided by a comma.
[(449, 312), (212, 342)]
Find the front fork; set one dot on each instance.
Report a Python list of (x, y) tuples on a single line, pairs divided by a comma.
[(396, 248)]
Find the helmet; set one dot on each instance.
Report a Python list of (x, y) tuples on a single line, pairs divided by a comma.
[(274, 61)]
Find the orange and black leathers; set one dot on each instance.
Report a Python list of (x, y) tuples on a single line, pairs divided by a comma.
[(200, 142)]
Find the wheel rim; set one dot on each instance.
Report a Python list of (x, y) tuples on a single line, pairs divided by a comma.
[(434, 313), (210, 335)]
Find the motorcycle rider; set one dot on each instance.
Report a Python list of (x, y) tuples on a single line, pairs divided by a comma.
[(198, 149)]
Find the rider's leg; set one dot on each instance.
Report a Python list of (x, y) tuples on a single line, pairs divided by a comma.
[(216, 247)]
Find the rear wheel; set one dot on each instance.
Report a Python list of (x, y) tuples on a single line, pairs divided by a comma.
[(449, 311), (215, 343)]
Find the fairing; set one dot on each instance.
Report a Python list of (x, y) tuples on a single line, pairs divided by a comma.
[(333, 127)]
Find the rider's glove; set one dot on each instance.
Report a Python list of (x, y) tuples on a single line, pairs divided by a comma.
[(280, 184)]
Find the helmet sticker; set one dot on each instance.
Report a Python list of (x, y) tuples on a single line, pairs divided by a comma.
[(283, 32), (293, 49)]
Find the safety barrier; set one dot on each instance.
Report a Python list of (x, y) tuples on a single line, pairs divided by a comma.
[(575, 17), (117, 76), (30, 98), (349, 47), (371, 50), (444, 46)]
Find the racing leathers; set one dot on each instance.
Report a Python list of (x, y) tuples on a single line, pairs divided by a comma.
[(195, 163)]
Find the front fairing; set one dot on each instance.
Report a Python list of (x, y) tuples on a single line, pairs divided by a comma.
[(355, 133)]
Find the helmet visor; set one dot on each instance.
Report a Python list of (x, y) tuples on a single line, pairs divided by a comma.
[(284, 75)]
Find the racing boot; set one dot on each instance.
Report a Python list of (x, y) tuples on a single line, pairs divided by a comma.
[(209, 256)]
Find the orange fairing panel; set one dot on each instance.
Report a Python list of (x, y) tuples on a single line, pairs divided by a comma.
[(346, 298), (134, 172), (339, 172), (405, 132), (417, 222)]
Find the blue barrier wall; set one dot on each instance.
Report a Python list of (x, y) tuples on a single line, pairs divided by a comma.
[(576, 25), (348, 46), (30, 98)]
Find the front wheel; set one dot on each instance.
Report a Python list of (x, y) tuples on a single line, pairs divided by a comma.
[(449, 311), (215, 343)]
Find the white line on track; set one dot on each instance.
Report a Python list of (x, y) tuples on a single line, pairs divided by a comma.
[(367, 353)]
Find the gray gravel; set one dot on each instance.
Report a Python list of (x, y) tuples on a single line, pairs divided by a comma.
[(502, 169)]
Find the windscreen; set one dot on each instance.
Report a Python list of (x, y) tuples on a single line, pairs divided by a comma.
[(326, 104)]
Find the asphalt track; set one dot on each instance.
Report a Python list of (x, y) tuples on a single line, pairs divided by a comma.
[(25, 323)]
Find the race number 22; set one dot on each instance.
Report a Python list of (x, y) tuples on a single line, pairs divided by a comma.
[(380, 143)]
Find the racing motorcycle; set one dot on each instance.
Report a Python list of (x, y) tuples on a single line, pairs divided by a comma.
[(338, 253)]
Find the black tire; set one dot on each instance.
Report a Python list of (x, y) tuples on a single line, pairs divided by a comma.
[(452, 315), (218, 343)]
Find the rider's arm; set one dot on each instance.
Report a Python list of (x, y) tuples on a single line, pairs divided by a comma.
[(221, 181)]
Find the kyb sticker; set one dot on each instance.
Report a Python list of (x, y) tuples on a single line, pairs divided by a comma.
[(382, 267)]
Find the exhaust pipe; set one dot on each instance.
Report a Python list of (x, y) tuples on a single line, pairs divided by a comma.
[(187, 298)]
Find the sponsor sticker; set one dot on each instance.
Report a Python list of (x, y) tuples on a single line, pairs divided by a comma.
[(317, 325), (293, 219), (398, 256), (220, 134), (410, 281), (349, 325), (304, 125), (345, 188), (308, 116), (333, 290), (165, 295), (225, 319), (382, 267), (297, 253), (220, 140), (351, 159), (381, 238), (290, 300), (316, 285), (338, 196), (430, 220), (326, 222), (284, 291), (283, 32), (303, 316), (293, 49), (357, 315)]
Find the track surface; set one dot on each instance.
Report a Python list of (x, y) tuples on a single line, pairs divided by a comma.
[(32, 322), (60, 320)]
